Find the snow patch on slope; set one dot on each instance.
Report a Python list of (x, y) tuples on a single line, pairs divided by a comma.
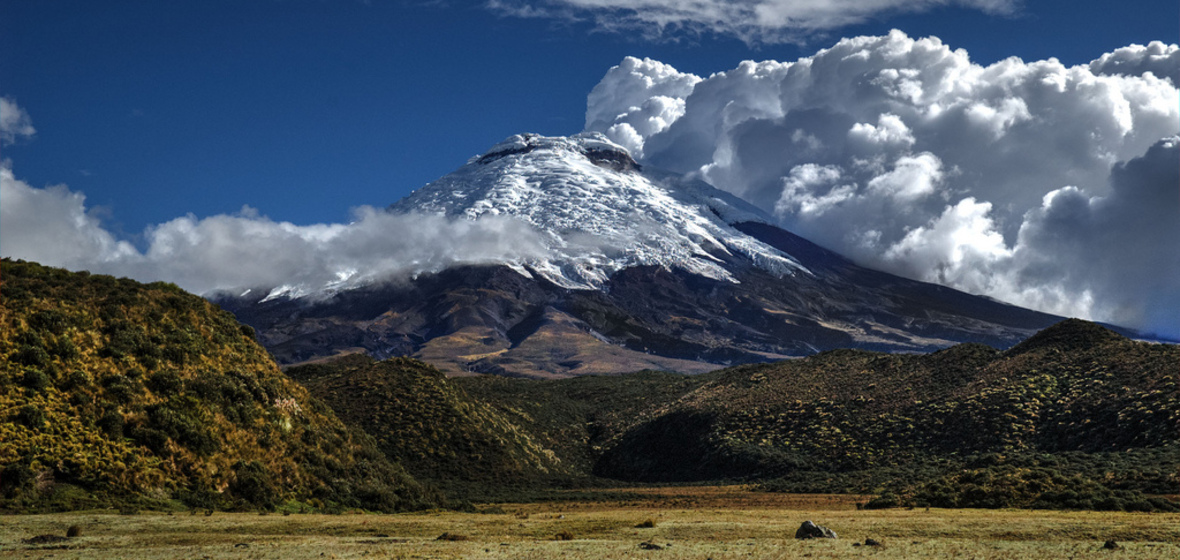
[(599, 212)]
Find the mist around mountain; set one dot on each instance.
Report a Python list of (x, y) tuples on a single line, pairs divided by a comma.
[(636, 269)]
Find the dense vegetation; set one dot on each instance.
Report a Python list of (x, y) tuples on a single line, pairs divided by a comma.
[(1075, 417), (427, 423), (116, 393), (485, 437)]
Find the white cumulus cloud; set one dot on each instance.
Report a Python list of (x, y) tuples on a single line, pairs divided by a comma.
[(640, 98), (1136, 60), (753, 21), (906, 156), (52, 225)]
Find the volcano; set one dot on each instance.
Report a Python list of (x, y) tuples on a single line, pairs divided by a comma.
[(640, 269)]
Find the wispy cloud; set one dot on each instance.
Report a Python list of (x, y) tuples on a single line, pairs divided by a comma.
[(752, 21), (14, 122)]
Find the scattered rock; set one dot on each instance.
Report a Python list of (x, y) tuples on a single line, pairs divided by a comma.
[(650, 546), (872, 542), (1111, 545), (809, 530)]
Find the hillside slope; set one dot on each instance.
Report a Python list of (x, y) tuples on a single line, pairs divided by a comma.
[(1075, 387), (486, 437), (432, 426), (1074, 406), (114, 392)]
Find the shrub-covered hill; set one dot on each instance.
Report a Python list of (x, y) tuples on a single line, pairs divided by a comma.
[(424, 421), (1074, 408), (485, 437), (114, 392), (1074, 387)]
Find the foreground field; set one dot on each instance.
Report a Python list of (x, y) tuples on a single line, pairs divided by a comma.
[(689, 523)]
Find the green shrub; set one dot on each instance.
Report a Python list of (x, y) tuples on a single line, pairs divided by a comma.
[(15, 479), (253, 484), (31, 416), (121, 389), (181, 420), (49, 320), (202, 498), (165, 383), (884, 501), (111, 424), (75, 379), (35, 379), (65, 349)]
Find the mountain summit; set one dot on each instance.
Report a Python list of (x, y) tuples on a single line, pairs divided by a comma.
[(638, 269), (599, 212)]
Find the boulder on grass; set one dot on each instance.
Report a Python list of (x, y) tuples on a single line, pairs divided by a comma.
[(809, 530)]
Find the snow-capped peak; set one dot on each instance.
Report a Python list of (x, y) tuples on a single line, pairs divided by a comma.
[(599, 212)]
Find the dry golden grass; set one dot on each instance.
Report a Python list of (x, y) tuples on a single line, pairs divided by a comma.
[(721, 526)]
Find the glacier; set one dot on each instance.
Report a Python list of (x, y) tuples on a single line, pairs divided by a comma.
[(599, 212)]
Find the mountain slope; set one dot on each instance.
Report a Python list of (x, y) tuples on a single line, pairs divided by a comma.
[(640, 269), (116, 392)]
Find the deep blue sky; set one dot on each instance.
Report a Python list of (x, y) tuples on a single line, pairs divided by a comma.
[(306, 108)]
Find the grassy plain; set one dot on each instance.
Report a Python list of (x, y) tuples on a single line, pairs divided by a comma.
[(689, 523)]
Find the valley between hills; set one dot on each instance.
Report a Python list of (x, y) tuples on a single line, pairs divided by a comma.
[(125, 397)]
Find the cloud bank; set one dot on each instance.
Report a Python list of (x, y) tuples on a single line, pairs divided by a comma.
[(248, 251), (752, 21), (1048, 186)]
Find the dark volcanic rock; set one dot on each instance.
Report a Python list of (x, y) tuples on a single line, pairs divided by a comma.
[(809, 530), (491, 319)]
